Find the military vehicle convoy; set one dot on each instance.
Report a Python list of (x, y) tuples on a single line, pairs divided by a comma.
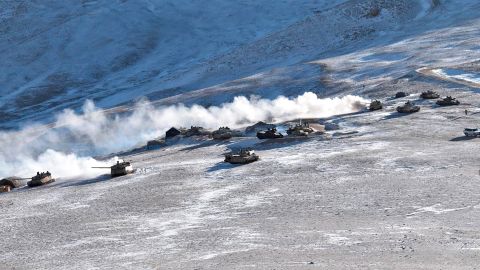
[(270, 133), (41, 179), (429, 95), (409, 107), (448, 101), (375, 105), (244, 156), (119, 169)]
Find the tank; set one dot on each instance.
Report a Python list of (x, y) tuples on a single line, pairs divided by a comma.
[(448, 101), (244, 156), (299, 130), (400, 94), (41, 179), (429, 95), (225, 133), (196, 131), (270, 133), (259, 126), (408, 108), (119, 169), (471, 132), (12, 182), (375, 105)]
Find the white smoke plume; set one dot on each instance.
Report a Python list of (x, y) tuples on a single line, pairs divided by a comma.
[(66, 146)]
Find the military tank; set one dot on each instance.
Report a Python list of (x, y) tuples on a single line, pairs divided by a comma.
[(244, 156), (259, 126), (429, 95), (223, 133), (448, 101), (41, 179), (13, 182), (196, 131), (299, 130), (409, 107), (119, 169), (471, 132), (270, 133), (400, 94), (375, 105)]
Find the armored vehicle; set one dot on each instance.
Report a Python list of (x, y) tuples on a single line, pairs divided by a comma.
[(119, 169), (300, 130), (259, 126), (448, 101), (196, 131), (408, 108), (244, 156), (429, 95), (375, 105), (471, 132), (400, 94), (41, 179), (270, 133), (225, 133), (12, 182)]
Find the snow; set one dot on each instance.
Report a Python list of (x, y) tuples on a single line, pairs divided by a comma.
[(116, 51), (385, 190), (458, 75), (338, 202)]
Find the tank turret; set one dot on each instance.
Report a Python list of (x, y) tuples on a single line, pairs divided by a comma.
[(429, 95), (408, 108), (448, 101), (400, 94), (244, 156)]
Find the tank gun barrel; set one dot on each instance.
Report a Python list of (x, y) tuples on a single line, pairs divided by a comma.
[(100, 167)]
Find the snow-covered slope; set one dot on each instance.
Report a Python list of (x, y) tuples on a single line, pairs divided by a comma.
[(384, 190), (56, 54)]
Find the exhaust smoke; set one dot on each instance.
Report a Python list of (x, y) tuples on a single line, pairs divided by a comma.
[(66, 146)]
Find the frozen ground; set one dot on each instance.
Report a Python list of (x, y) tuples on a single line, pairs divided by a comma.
[(56, 54), (402, 193), (393, 192)]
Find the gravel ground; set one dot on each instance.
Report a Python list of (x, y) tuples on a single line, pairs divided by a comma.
[(402, 193)]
